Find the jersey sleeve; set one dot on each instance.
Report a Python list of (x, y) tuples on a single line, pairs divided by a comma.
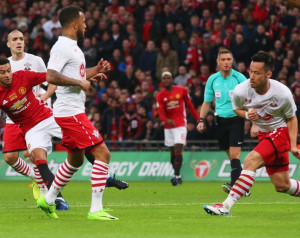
[(160, 108), (35, 78), (289, 107), (41, 67), (58, 59), (237, 99), (209, 91)]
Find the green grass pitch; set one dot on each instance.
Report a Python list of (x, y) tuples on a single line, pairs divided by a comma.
[(151, 209)]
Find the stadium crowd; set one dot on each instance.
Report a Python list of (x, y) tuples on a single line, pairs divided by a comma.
[(141, 38)]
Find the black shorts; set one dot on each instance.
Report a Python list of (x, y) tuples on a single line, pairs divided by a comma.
[(230, 132)]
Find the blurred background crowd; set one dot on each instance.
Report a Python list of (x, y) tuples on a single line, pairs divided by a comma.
[(142, 37)]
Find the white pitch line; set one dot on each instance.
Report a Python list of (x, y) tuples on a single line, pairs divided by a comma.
[(160, 204)]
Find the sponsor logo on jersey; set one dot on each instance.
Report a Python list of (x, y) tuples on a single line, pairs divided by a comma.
[(12, 96), (267, 117), (172, 103), (82, 70), (18, 104), (22, 90)]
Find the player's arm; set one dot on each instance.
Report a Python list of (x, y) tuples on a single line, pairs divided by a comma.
[(203, 112), (161, 113), (292, 124), (190, 106), (57, 78), (50, 91), (103, 66)]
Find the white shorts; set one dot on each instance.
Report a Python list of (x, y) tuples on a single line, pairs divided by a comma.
[(175, 136), (41, 134)]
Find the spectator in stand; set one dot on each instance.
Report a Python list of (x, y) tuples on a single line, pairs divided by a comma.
[(116, 35), (241, 67), (166, 58), (182, 46), (48, 25), (194, 56), (90, 53), (194, 26), (296, 80), (240, 49), (260, 40), (167, 17), (222, 10), (20, 18), (249, 28), (130, 125), (204, 74), (149, 29), (136, 48), (171, 35), (182, 77), (110, 120), (148, 58), (105, 46)]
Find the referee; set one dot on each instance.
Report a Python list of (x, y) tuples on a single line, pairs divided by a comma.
[(229, 126)]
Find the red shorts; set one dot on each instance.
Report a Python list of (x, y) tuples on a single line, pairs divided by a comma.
[(274, 148), (13, 138), (79, 133)]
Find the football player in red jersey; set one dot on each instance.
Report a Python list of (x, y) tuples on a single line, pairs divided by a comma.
[(171, 102)]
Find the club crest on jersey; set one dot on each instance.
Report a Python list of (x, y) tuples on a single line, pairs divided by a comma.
[(27, 66), (248, 100), (18, 104), (96, 134), (172, 103), (82, 70), (22, 90), (28, 146), (274, 102)]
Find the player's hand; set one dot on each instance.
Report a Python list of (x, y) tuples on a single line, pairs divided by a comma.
[(85, 85), (171, 122), (252, 114), (201, 126), (296, 152), (254, 131), (98, 77), (103, 66), (44, 96)]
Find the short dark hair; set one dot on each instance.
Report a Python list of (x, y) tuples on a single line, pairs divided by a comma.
[(266, 58), (69, 14), (224, 51), (3, 60)]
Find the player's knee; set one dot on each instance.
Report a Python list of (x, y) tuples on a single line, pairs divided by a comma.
[(10, 158), (283, 188)]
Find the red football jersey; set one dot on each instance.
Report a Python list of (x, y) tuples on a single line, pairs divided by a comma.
[(171, 105), (19, 102)]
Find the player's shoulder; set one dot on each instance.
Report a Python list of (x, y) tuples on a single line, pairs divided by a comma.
[(278, 86), (243, 86), (161, 92)]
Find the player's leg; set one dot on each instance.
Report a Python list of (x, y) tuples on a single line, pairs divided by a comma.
[(62, 177), (39, 144), (98, 180), (111, 181), (252, 162), (14, 141)]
